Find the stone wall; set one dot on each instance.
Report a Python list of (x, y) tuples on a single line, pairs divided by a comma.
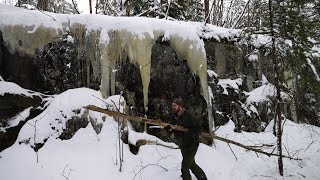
[(64, 64)]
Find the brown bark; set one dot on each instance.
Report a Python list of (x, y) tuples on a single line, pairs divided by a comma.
[(90, 6), (127, 4)]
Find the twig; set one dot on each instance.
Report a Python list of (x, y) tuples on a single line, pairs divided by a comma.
[(285, 147), (262, 145), (257, 154), (273, 149), (150, 10), (46, 14), (107, 104), (296, 152), (35, 133), (309, 146), (115, 105), (232, 152), (143, 167), (122, 128), (63, 173), (216, 129), (302, 175), (264, 176)]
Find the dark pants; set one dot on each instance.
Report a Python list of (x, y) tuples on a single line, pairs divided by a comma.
[(188, 163)]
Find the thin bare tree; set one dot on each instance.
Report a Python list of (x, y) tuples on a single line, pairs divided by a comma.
[(206, 11), (278, 116), (241, 16), (90, 6), (97, 6)]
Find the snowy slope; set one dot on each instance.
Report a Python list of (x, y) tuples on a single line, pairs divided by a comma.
[(88, 155)]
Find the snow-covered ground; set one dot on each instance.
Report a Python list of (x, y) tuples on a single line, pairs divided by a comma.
[(88, 155)]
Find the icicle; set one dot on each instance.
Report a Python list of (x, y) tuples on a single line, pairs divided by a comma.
[(139, 51), (92, 58), (195, 55), (27, 39)]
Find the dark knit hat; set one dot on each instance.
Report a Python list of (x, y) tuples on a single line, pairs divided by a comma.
[(178, 101)]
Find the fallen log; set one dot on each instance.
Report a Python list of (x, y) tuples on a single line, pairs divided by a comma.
[(178, 128)]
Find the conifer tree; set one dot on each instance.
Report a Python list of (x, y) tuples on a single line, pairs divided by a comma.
[(298, 27)]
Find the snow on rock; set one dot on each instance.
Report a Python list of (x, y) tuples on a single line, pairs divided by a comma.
[(12, 88), (16, 120), (234, 84), (212, 73), (263, 93), (214, 32), (61, 108)]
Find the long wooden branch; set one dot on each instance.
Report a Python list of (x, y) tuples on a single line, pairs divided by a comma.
[(178, 128)]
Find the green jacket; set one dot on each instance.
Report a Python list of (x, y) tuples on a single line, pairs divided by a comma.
[(190, 138)]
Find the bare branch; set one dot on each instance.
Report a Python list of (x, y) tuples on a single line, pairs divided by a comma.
[(107, 104), (75, 7), (63, 173), (46, 14)]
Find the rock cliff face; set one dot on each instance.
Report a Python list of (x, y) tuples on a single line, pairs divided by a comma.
[(74, 60)]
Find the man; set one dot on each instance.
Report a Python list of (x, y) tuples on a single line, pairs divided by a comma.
[(188, 142)]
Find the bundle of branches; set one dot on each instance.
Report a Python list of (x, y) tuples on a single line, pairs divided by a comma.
[(180, 128)]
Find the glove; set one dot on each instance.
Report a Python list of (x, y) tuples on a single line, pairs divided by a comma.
[(167, 127)]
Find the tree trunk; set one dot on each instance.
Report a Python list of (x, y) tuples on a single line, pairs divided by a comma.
[(115, 7), (206, 11), (97, 6), (42, 5), (279, 100), (127, 4), (90, 6)]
